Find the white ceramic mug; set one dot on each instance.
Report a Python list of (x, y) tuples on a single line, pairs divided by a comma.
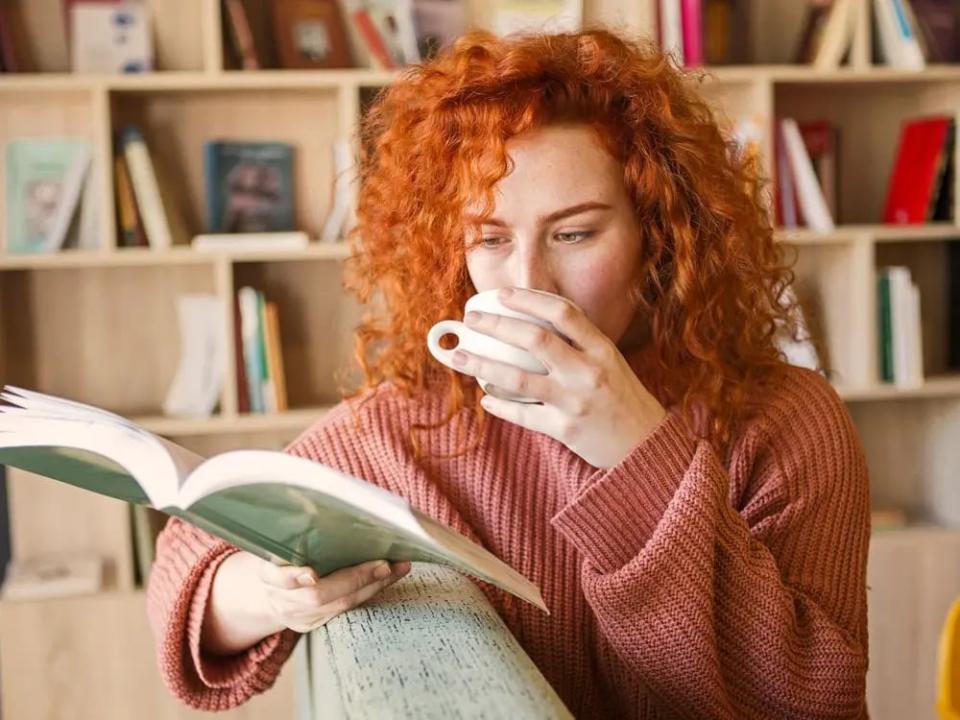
[(479, 344)]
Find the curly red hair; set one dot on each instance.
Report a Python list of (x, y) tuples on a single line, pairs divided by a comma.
[(712, 278)]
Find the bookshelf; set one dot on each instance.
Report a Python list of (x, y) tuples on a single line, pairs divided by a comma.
[(101, 325)]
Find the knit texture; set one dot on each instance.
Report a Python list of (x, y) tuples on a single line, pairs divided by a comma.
[(680, 583)]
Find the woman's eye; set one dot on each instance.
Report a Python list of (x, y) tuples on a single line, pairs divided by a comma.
[(492, 242), (572, 237)]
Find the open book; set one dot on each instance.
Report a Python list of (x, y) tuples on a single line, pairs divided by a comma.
[(283, 508)]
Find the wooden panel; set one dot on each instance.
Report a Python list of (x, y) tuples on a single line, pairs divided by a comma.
[(913, 577), (48, 516), (92, 658), (103, 335), (317, 320), (178, 124), (178, 33)]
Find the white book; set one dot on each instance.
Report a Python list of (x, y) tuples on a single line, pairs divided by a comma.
[(905, 327), (915, 340), (251, 242), (200, 376), (810, 195), (671, 30), (341, 217), (146, 189), (110, 37), (788, 206), (899, 45), (837, 34), (280, 507)]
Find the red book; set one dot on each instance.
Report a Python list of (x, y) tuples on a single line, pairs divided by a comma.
[(242, 35), (921, 158), (692, 32)]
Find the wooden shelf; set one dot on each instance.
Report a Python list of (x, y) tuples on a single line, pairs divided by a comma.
[(933, 387), (130, 257), (220, 425), (877, 232)]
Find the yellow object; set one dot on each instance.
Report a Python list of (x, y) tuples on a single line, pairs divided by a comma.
[(948, 683)]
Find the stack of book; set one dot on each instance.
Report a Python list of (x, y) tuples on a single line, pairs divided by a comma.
[(899, 331), (261, 384)]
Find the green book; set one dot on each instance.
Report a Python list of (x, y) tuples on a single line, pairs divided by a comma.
[(283, 508), (885, 327)]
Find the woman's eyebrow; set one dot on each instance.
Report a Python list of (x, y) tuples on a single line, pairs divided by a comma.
[(549, 218)]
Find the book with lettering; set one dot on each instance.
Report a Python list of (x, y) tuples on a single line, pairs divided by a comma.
[(283, 508)]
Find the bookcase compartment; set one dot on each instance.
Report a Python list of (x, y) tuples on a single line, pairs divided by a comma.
[(317, 320), (176, 124), (832, 282), (869, 118), (106, 335), (180, 33), (930, 270)]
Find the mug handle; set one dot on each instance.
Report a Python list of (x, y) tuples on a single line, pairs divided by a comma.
[(444, 327)]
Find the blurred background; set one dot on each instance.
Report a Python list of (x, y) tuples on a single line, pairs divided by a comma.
[(177, 178)]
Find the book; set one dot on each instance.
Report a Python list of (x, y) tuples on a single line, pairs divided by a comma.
[(342, 217), (199, 378), (45, 177), (897, 38), (310, 34), (885, 327), (670, 28), (249, 186), (373, 40), (280, 507), (691, 13), (250, 331), (939, 25), (129, 223), (812, 203), (906, 346), (821, 140), (52, 575), (156, 208), (832, 44), (241, 34), (110, 37), (923, 155), (275, 356)]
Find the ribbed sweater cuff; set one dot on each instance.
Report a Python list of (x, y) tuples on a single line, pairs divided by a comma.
[(617, 509), (256, 668)]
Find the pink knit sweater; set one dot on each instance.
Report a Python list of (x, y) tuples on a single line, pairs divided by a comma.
[(680, 583)]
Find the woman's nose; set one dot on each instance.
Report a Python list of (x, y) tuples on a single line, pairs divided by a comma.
[(532, 272)]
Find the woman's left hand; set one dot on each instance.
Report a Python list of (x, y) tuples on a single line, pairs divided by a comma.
[(593, 402)]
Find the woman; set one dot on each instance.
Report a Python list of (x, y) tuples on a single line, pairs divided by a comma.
[(694, 510)]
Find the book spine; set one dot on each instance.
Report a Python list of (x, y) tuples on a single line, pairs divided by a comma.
[(146, 189), (211, 175), (275, 356), (785, 192), (69, 199), (242, 34), (671, 30), (266, 382), (884, 326), (692, 20), (251, 353), (240, 365)]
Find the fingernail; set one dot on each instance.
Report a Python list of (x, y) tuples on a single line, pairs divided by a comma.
[(401, 568), (471, 318), (459, 358), (306, 579), (382, 571), (505, 293)]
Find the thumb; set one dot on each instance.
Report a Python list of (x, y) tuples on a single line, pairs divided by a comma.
[(287, 577)]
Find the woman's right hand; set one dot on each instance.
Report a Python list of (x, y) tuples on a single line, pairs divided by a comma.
[(302, 600)]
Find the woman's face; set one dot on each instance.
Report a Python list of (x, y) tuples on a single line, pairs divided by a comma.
[(562, 223)]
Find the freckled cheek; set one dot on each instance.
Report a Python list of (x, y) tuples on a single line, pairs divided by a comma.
[(602, 291)]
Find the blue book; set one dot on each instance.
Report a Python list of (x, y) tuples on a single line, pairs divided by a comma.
[(249, 186)]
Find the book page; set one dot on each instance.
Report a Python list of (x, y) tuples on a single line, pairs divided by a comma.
[(430, 646)]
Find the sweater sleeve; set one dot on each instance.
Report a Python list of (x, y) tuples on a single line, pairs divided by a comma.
[(724, 612), (177, 594)]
